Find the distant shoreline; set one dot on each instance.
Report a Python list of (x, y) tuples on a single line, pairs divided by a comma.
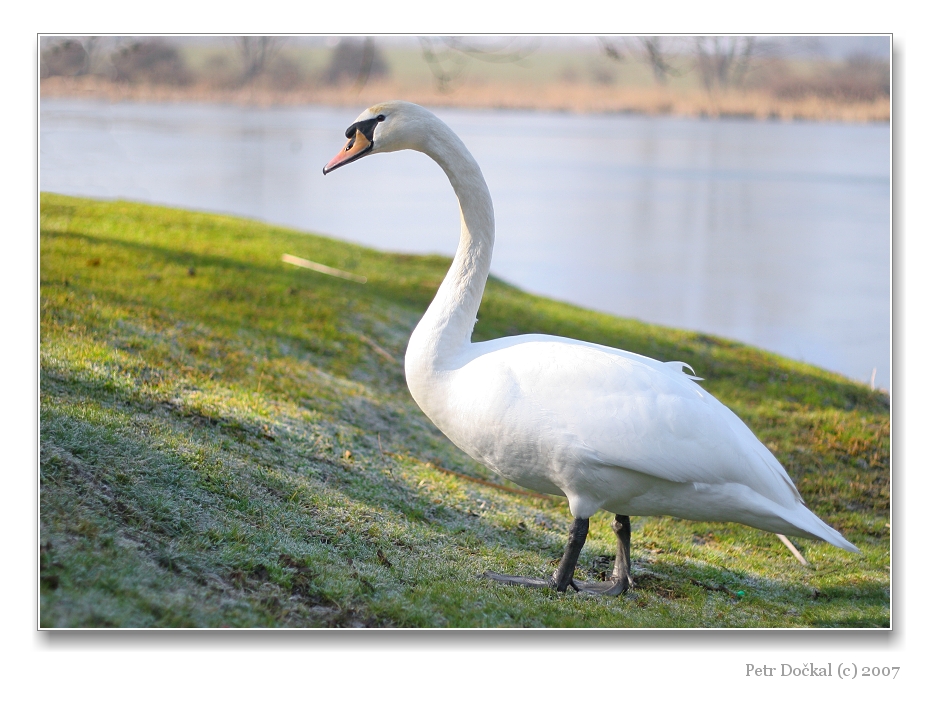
[(559, 97)]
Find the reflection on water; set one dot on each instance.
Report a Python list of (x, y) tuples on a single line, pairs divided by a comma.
[(776, 234)]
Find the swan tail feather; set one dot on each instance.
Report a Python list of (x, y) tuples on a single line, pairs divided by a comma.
[(810, 526)]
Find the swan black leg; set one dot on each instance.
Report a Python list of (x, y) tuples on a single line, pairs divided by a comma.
[(562, 578), (622, 562), (621, 578)]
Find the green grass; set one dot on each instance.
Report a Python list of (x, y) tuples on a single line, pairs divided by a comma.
[(222, 445)]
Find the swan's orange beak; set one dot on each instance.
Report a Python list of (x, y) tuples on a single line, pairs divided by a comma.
[(357, 146)]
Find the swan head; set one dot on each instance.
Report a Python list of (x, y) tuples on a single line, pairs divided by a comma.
[(385, 127)]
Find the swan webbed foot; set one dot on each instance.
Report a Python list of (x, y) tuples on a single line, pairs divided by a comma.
[(517, 580), (610, 588)]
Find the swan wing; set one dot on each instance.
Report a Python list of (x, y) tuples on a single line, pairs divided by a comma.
[(601, 406)]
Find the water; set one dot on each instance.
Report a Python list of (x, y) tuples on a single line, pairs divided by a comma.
[(775, 234)]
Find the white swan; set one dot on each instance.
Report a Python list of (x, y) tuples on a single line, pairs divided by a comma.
[(608, 429)]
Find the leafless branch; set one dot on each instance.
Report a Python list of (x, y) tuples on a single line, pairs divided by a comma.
[(256, 54), (449, 57), (723, 61), (650, 52), (357, 59)]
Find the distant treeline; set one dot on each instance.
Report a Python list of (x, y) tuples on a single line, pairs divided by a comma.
[(276, 63), (241, 61)]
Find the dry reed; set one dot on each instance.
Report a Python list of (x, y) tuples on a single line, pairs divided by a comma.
[(566, 97)]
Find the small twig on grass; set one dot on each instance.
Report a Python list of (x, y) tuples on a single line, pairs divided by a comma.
[(718, 588), (321, 268), (381, 556), (374, 345)]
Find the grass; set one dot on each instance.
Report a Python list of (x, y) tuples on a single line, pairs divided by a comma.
[(224, 443)]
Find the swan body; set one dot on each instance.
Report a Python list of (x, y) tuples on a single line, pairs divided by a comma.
[(609, 429)]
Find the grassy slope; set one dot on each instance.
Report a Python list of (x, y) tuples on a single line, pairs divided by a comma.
[(223, 445)]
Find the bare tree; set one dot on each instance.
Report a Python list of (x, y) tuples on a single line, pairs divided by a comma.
[(256, 54), (448, 57), (657, 60), (68, 57), (149, 61), (648, 50), (355, 59), (723, 61)]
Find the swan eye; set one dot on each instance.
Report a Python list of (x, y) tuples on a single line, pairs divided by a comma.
[(365, 127)]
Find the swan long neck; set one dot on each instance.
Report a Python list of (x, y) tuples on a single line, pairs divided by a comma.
[(445, 329)]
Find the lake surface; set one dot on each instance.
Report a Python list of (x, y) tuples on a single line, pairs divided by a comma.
[(775, 234)]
